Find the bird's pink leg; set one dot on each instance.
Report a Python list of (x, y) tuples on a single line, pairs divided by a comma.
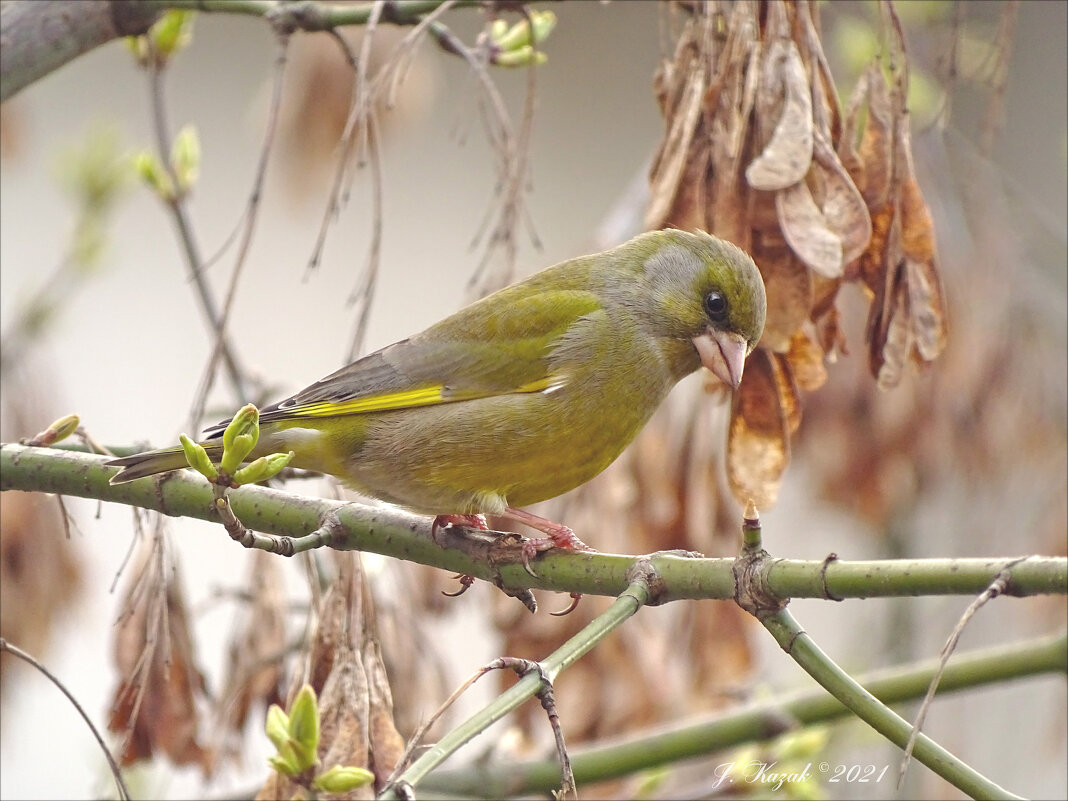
[(558, 536)]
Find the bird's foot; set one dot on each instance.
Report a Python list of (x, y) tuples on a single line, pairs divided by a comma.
[(557, 536), (466, 521)]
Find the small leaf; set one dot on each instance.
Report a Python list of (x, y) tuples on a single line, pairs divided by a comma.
[(304, 727), (277, 726)]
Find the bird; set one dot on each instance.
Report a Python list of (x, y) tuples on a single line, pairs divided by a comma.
[(523, 395)]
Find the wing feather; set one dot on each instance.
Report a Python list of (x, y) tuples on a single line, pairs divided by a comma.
[(486, 349)]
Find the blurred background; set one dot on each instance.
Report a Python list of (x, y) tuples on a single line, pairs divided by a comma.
[(965, 460)]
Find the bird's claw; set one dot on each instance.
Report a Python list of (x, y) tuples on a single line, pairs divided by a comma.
[(560, 537), (465, 584), (575, 598)]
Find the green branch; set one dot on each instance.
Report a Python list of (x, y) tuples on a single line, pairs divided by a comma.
[(795, 641), (307, 15), (41, 37), (629, 602), (307, 523), (755, 722)]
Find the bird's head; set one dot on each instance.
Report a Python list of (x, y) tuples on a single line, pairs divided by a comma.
[(709, 292)]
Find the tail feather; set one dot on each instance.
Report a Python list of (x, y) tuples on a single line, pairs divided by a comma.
[(150, 463)]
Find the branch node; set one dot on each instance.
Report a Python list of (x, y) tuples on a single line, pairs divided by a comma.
[(751, 590), (824, 586), (644, 571)]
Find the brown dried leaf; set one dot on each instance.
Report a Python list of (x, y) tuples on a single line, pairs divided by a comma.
[(758, 441), (908, 318), (345, 712), (889, 349), (926, 303), (877, 144), (346, 671), (40, 574), (673, 160), (786, 158), (826, 114), (387, 744), (807, 230), (844, 209), (726, 127), (155, 704), (847, 143), (805, 359), (871, 267), (788, 286), (340, 611), (927, 311), (257, 650)]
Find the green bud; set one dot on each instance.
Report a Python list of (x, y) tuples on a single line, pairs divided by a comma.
[(497, 30), (263, 468), (802, 744), (277, 726), (240, 438), (185, 158), (287, 767), (304, 727), (60, 429), (519, 35), (520, 57), (342, 779), (172, 32), (544, 22), (138, 47), (197, 458), (153, 174), (808, 789)]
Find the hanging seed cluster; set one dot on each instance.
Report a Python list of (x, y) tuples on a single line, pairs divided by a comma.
[(758, 150)]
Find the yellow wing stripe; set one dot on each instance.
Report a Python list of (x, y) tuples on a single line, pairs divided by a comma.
[(408, 399)]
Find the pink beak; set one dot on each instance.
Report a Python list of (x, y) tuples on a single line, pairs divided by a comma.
[(724, 354)]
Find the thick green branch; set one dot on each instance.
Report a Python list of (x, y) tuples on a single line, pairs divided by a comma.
[(351, 526)]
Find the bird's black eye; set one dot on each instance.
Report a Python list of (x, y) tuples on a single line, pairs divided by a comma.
[(716, 307)]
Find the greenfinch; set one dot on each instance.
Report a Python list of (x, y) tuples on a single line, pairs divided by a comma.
[(524, 394)]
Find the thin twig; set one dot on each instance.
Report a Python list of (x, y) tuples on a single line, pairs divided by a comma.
[(996, 588), (124, 793), (250, 217), (994, 118), (363, 296), (185, 231)]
